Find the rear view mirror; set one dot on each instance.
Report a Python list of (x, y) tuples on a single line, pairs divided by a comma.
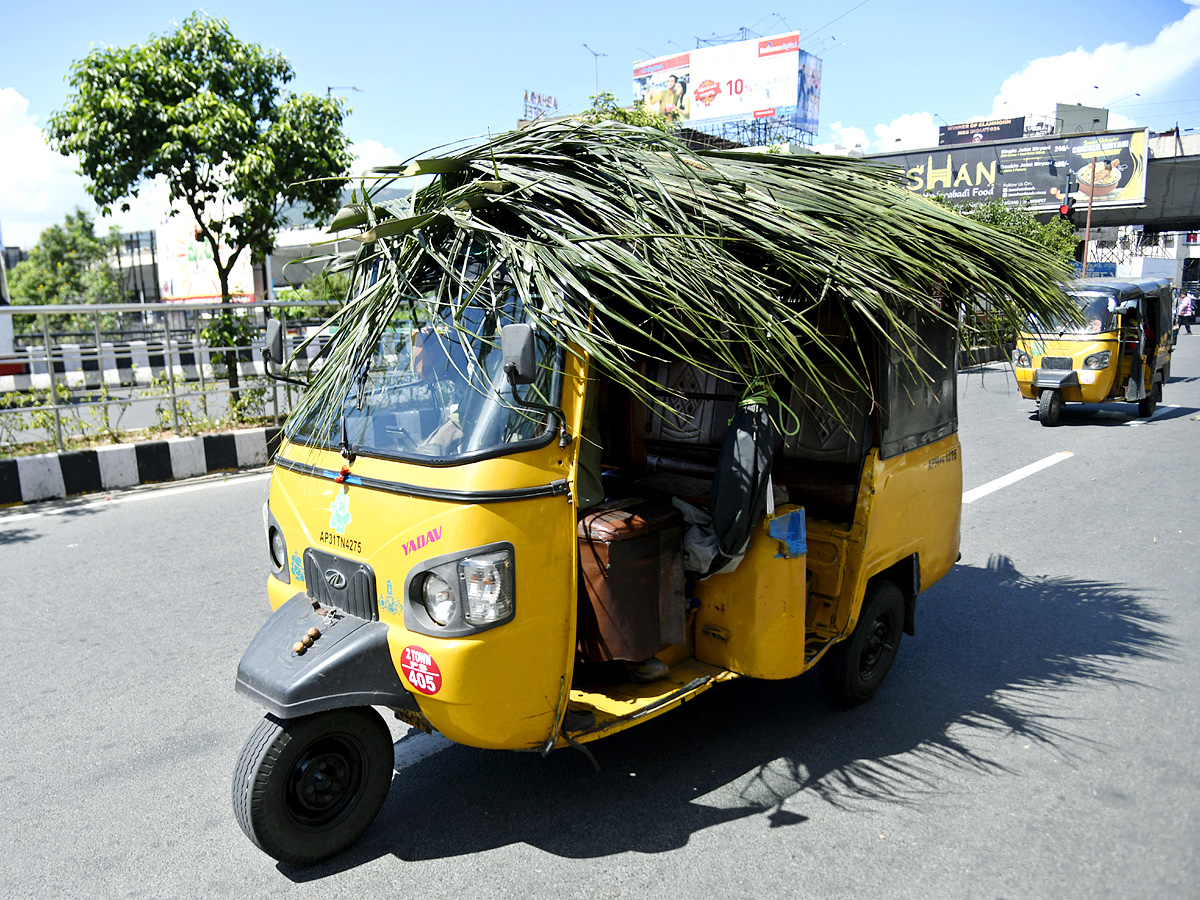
[(273, 350), (520, 360)]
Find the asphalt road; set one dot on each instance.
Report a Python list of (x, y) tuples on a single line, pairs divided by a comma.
[(1037, 738)]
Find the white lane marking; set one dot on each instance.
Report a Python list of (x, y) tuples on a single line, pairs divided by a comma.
[(146, 492), (1162, 408), (1012, 477)]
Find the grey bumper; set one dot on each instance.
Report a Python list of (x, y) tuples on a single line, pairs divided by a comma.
[(350, 664), (1055, 378)]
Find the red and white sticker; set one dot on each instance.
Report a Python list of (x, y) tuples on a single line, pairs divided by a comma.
[(420, 670)]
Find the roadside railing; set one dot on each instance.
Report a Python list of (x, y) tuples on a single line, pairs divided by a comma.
[(67, 391)]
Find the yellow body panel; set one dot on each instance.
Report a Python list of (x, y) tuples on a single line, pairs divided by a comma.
[(751, 620), (501, 688)]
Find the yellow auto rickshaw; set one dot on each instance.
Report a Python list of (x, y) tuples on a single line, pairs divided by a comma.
[(1120, 352), (603, 423)]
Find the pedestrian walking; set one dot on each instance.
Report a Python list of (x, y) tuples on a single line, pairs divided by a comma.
[(1187, 311)]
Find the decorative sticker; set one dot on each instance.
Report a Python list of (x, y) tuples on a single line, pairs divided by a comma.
[(297, 566), (422, 541), (388, 601), (420, 670), (339, 512)]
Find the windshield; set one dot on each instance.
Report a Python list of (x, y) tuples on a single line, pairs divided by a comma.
[(436, 392), (1096, 307)]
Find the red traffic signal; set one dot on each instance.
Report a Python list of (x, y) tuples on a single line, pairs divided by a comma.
[(1064, 210)]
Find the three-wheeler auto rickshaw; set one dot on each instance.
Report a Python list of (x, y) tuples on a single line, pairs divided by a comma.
[(606, 421), (429, 555), (1120, 352)]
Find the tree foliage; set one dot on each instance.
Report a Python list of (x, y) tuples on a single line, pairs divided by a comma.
[(68, 265), (1056, 236), (210, 115)]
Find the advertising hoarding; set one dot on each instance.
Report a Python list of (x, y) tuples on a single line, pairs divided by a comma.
[(186, 270), (767, 77), (1106, 169), (976, 132)]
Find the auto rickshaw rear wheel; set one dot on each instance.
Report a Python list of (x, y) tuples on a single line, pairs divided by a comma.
[(1049, 407), (305, 789), (853, 670), (1147, 404)]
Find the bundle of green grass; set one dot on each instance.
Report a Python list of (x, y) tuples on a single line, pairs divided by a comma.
[(619, 243)]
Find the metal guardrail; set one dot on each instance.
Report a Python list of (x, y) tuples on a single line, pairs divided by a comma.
[(63, 367)]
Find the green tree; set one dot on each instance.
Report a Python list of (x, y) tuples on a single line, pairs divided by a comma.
[(1056, 237), (606, 109), (209, 114), (68, 265)]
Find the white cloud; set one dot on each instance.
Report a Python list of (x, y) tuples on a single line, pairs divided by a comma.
[(848, 136), (1108, 74), (907, 132), (371, 153), (38, 186)]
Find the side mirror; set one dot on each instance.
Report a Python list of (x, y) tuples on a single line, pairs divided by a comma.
[(520, 360), (273, 351)]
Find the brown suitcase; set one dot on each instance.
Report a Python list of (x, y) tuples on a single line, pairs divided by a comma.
[(632, 586)]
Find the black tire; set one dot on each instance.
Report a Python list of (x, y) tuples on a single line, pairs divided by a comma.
[(1049, 408), (1147, 404), (853, 670), (305, 789)]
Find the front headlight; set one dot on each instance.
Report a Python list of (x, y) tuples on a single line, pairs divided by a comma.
[(1098, 360), (1021, 359), (439, 599), (278, 547), (487, 586)]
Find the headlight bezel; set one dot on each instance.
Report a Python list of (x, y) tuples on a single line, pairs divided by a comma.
[(280, 568), (1022, 359), (447, 567), (1098, 361)]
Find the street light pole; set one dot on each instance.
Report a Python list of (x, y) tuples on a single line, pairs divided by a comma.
[(595, 59)]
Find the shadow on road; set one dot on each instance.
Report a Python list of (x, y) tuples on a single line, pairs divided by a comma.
[(994, 651)]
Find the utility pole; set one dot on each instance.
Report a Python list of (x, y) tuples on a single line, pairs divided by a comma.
[(595, 59)]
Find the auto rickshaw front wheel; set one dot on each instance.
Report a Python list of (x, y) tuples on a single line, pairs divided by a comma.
[(853, 670), (305, 789), (1049, 407)]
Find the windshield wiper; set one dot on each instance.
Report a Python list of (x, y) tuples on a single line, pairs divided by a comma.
[(344, 445)]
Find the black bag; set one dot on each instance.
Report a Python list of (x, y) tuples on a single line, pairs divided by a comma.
[(739, 490)]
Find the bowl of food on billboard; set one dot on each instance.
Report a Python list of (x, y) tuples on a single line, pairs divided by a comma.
[(1101, 177)]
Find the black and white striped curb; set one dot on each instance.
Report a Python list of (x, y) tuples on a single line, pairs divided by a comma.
[(54, 476), (132, 363)]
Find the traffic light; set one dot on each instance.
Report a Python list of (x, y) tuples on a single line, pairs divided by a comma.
[(1067, 209)]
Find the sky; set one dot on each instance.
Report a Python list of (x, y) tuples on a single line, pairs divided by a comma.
[(423, 75)]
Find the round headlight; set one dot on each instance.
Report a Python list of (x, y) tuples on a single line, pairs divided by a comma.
[(1021, 359), (278, 547), (438, 598)]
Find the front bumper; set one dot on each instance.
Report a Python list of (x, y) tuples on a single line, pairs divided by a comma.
[(350, 664)]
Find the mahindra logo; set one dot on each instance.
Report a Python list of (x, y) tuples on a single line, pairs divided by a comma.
[(336, 579)]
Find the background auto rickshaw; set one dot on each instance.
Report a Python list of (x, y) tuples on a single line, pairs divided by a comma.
[(1120, 352), (604, 424)]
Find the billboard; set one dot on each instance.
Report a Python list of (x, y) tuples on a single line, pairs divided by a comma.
[(975, 132), (186, 270), (767, 77), (1106, 169)]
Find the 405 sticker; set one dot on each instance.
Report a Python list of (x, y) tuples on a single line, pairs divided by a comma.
[(420, 670)]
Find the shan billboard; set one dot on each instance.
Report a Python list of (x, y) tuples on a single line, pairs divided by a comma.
[(1106, 169), (767, 77)]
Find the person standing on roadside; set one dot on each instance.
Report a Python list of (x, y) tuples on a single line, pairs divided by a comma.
[(1187, 310)]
